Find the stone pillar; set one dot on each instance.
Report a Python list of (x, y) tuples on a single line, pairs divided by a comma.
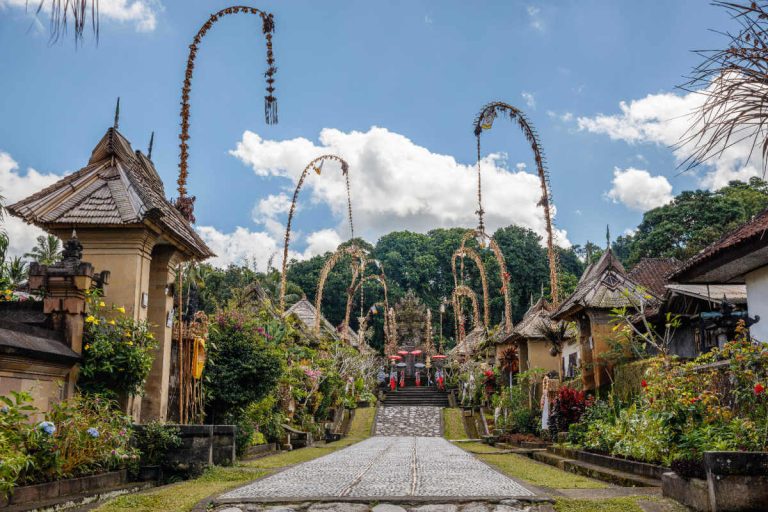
[(65, 284), (161, 277), (602, 333), (585, 345), (127, 253)]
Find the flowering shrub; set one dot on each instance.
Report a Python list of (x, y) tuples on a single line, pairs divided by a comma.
[(716, 402), (117, 351), (77, 437)]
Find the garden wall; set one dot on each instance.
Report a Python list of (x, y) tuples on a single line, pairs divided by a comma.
[(203, 445)]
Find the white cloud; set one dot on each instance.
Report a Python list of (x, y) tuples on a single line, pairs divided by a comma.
[(260, 248), (665, 119), (13, 187), (529, 98), (141, 13), (638, 190), (397, 184), (535, 18)]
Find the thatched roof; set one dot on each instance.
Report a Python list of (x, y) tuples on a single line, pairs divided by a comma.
[(305, 312), (534, 320), (604, 285), (118, 188), (471, 342)]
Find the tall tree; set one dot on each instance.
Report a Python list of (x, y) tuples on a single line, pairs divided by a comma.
[(47, 251)]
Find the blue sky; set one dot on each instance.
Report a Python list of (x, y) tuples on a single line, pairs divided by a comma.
[(418, 71)]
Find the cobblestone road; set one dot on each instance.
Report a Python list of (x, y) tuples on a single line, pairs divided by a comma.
[(382, 467), (409, 421)]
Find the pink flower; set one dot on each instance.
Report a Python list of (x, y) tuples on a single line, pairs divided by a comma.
[(643, 384), (759, 389)]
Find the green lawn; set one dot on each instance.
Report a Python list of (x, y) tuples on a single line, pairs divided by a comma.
[(623, 504), (531, 471), (453, 425), (183, 496)]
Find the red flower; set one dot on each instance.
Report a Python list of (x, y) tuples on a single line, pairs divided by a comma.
[(759, 388), (643, 384)]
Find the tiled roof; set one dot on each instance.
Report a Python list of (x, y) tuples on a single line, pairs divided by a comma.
[(604, 285), (118, 187), (749, 233), (23, 340), (653, 273)]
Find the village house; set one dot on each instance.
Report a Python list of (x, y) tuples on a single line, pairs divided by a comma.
[(739, 257), (529, 336), (117, 205), (604, 286)]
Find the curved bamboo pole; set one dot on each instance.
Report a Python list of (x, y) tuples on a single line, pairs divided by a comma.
[(316, 165), (391, 347), (351, 294), (484, 121), (350, 250), (185, 204), (459, 292), (468, 251), (503, 274)]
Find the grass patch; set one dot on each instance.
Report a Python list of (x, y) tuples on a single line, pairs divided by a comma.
[(538, 473), (622, 504), (359, 429), (185, 495), (476, 447), (453, 426)]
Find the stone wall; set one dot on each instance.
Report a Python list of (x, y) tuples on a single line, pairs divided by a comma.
[(203, 445)]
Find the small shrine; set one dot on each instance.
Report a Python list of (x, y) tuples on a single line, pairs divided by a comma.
[(415, 350), (117, 205)]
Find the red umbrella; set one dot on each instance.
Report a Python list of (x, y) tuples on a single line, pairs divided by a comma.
[(402, 352), (395, 358), (416, 353), (439, 356)]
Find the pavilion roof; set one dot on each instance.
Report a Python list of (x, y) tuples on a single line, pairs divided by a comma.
[(537, 317), (604, 285), (653, 273), (118, 187), (471, 342), (306, 313)]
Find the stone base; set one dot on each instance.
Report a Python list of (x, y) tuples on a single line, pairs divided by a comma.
[(691, 492)]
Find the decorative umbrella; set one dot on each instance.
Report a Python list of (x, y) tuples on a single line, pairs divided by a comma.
[(416, 353), (403, 352), (439, 356), (401, 365), (395, 358), (419, 365)]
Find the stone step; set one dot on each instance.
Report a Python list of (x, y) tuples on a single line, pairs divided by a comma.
[(612, 476)]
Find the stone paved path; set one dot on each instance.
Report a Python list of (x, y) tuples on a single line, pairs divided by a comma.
[(382, 467), (409, 421)]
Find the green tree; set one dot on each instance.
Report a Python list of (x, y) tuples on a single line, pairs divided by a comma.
[(47, 251), (243, 365), (695, 219), (16, 271)]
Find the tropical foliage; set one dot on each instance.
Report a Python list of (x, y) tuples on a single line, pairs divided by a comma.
[(117, 351), (80, 436)]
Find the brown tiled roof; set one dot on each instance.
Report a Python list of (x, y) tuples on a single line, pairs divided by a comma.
[(604, 285), (118, 187), (653, 273), (756, 230)]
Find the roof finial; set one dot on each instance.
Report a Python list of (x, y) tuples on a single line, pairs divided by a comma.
[(608, 237), (151, 143), (117, 114)]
